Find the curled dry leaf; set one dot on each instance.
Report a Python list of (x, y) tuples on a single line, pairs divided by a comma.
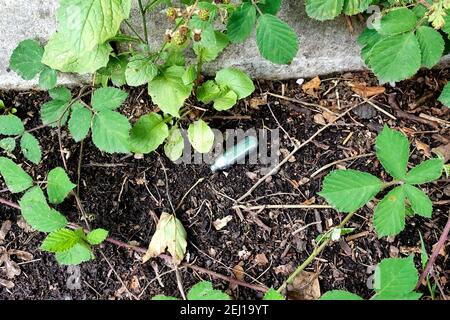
[(171, 235), (258, 101), (4, 229), (312, 86), (219, 224), (319, 119), (443, 151), (261, 259), (239, 272), (365, 91), (6, 283), (305, 287), (424, 148), (12, 269), (22, 255)]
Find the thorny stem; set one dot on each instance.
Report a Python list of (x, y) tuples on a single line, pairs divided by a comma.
[(144, 21), (313, 255), (437, 248)]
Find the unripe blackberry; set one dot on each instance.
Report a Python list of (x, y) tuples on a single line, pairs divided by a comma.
[(178, 38), (172, 13), (204, 14), (183, 30)]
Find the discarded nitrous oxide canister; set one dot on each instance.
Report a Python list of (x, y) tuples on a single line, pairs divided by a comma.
[(238, 152)]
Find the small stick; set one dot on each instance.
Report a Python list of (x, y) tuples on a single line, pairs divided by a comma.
[(180, 283), (282, 206), (380, 109), (189, 191), (340, 161)]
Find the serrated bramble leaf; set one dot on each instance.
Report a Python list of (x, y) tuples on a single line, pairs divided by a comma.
[(174, 145), (352, 7), (110, 132), (168, 91), (201, 136), (241, 22), (80, 122), (59, 185), (108, 98), (389, 215), (55, 112), (48, 79), (30, 148), (211, 45), (16, 179), (97, 236), (349, 190), (324, 9), (395, 58), (60, 240), (444, 98), (392, 148), (60, 93), (38, 214), (236, 80), (225, 101), (276, 40), (26, 59), (426, 171), (204, 291), (140, 70), (171, 235), (395, 278), (420, 203), (208, 91), (340, 295), (148, 133), (273, 294), (8, 144), (397, 21), (431, 44), (79, 253), (11, 125)]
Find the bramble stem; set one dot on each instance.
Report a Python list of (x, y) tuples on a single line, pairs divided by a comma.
[(314, 254), (144, 21)]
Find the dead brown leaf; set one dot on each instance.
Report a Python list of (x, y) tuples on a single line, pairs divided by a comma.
[(219, 224), (261, 259), (319, 119), (305, 287), (284, 270), (424, 148), (6, 283), (258, 101), (444, 151), (312, 86), (12, 269), (365, 91), (238, 272), (4, 229)]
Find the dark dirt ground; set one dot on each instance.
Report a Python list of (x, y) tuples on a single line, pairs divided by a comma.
[(115, 191)]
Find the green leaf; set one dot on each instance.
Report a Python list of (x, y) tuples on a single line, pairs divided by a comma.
[(352, 7), (392, 148), (8, 144), (54, 112), (108, 98), (395, 279), (276, 40), (168, 91), (273, 294), (16, 179), (115, 69), (208, 92), (38, 214), (236, 80), (60, 240), (225, 101), (431, 44), (110, 132), (161, 297), (77, 254), (270, 6), (148, 133), (420, 202), (171, 235), (349, 190), (241, 22), (97, 236), (324, 9), (140, 70), (48, 78), (59, 185), (340, 295), (190, 75), (389, 215), (26, 59), (204, 291), (83, 28), (211, 45), (427, 171), (397, 21), (30, 148), (80, 122), (10, 125), (174, 145), (368, 39), (396, 58), (201, 136), (60, 93), (444, 98), (423, 252)]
